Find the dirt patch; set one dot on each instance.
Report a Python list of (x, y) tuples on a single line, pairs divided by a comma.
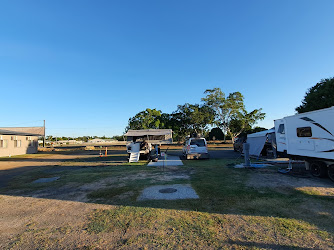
[(77, 192), (28, 222), (270, 178)]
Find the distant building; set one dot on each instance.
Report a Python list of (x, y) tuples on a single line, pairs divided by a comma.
[(98, 140), (19, 140), (66, 142)]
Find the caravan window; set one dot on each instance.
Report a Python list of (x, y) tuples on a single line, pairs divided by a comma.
[(304, 132), (281, 129)]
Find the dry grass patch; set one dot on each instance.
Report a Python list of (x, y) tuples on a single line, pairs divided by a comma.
[(147, 227), (237, 208)]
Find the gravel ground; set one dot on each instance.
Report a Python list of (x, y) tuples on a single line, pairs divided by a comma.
[(184, 191)]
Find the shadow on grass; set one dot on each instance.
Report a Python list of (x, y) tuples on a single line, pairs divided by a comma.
[(222, 189), (264, 245)]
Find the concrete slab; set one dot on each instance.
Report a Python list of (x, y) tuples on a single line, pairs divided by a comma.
[(254, 165), (171, 161), (162, 192), (45, 180)]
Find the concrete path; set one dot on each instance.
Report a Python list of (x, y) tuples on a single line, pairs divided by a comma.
[(171, 161), (181, 191)]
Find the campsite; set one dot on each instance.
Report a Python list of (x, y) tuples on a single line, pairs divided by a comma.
[(166, 124), (94, 204)]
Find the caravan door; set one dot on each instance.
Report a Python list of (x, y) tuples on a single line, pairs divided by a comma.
[(280, 135)]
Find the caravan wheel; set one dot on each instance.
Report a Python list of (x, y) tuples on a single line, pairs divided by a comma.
[(331, 172), (318, 169)]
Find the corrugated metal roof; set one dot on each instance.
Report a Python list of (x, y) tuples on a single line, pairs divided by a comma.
[(144, 132), (35, 131)]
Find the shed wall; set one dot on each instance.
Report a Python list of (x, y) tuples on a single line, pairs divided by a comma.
[(28, 145)]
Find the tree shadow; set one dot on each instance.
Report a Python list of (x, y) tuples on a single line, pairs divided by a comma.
[(218, 187), (264, 245)]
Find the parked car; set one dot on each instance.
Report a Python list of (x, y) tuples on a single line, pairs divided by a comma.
[(238, 144), (195, 148)]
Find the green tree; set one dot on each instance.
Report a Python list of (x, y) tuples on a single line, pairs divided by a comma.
[(231, 114), (147, 119), (50, 138), (318, 97), (216, 133), (192, 118), (118, 137)]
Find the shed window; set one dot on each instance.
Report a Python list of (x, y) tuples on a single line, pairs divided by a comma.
[(31, 143), (17, 143), (3, 143), (281, 129), (304, 132)]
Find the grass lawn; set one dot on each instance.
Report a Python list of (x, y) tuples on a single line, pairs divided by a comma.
[(229, 213)]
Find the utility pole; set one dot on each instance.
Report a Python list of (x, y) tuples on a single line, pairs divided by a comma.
[(44, 136)]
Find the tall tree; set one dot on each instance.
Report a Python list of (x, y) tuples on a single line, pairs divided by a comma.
[(188, 119), (147, 119), (231, 114), (318, 97), (216, 133), (193, 118)]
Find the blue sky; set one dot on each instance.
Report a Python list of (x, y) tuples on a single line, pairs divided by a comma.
[(87, 66)]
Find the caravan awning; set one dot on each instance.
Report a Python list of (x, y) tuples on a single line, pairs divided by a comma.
[(145, 132), (262, 133), (257, 140)]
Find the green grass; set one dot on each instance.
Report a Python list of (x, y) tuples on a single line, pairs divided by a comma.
[(229, 213)]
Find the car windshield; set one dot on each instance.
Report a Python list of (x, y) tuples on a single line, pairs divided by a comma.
[(198, 142)]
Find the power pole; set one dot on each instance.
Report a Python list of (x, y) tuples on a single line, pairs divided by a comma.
[(44, 136)]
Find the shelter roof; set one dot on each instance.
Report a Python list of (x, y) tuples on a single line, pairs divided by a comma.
[(262, 133), (144, 132)]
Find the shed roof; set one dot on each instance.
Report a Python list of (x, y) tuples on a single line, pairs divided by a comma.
[(34, 131), (144, 132)]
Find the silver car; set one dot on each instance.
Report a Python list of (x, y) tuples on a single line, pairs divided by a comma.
[(195, 148)]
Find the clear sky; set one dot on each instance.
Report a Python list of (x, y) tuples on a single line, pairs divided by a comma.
[(87, 66)]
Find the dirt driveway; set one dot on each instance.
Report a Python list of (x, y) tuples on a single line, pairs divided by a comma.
[(14, 166)]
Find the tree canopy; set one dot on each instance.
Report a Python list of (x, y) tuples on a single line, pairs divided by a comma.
[(231, 114), (192, 118), (187, 119), (147, 119), (227, 113), (318, 97)]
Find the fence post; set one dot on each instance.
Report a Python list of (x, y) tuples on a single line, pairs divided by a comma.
[(246, 154)]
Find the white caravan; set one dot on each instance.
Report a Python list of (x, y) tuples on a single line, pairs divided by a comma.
[(309, 136)]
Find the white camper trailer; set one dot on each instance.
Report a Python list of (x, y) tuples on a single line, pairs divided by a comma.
[(142, 142), (309, 136)]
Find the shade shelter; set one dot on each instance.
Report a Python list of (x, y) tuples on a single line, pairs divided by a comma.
[(257, 141)]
